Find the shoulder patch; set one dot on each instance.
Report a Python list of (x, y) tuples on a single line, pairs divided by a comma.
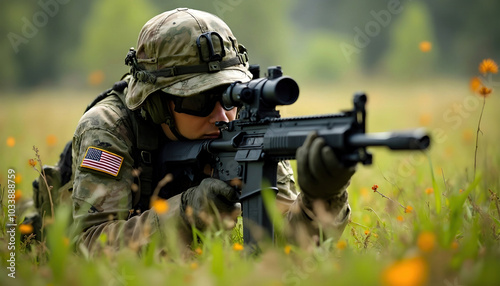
[(102, 161)]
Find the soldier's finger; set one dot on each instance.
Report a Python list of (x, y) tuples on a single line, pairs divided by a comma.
[(332, 164), (318, 168)]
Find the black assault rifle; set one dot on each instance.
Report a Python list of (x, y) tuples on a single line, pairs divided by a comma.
[(251, 146)]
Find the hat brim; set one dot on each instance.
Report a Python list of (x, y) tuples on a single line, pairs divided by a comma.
[(185, 85)]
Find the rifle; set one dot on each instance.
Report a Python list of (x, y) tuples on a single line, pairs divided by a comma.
[(251, 146)]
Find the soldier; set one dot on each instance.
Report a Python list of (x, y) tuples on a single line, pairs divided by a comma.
[(184, 60)]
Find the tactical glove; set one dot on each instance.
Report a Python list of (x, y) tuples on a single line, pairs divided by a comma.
[(320, 174), (201, 205)]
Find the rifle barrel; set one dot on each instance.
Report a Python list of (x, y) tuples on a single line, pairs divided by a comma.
[(405, 140)]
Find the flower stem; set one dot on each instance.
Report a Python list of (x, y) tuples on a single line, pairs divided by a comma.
[(477, 135)]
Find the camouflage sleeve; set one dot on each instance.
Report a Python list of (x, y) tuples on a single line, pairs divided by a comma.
[(305, 217), (102, 198)]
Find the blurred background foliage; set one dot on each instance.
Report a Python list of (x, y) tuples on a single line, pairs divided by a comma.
[(83, 43)]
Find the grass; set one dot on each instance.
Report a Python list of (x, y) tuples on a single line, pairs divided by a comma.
[(450, 237)]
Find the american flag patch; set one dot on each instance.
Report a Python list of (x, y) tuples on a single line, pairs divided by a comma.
[(103, 161)]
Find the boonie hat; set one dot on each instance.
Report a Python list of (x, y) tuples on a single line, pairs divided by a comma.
[(184, 52)]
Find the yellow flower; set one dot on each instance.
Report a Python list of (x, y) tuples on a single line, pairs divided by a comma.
[(408, 209), (51, 140), (425, 46), (406, 272), (429, 191), (18, 178), (426, 241), (26, 228), (425, 119), (341, 245), (475, 84), (364, 192), (160, 206), (488, 66), (11, 141), (287, 249), (237, 247)]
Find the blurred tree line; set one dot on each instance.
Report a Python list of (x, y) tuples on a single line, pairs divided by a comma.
[(81, 43)]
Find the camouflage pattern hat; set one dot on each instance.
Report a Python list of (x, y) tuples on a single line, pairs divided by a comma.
[(184, 52)]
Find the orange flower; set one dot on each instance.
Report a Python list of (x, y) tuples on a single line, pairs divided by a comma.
[(96, 77), (198, 251), (475, 84), (484, 91), (425, 46), (367, 232), (488, 66), (32, 162), (400, 218), (341, 245), (18, 195), (51, 140), (374, 188), (26, 228), (467, 135), (429, 191), (287, 249), (160, 206), (426, 241), (237, 247), (406, 272), (11, 141), (408, 209)]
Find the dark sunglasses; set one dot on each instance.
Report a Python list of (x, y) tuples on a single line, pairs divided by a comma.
[(201, 104)]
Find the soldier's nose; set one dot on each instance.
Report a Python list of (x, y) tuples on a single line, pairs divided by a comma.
[(218, 114)]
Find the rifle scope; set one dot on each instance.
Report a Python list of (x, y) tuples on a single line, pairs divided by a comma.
[(275, 89)]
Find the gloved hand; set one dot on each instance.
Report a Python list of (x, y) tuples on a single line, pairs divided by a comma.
[(320, 174), (200, 204)]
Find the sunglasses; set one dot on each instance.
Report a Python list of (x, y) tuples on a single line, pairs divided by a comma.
[(201, 104)]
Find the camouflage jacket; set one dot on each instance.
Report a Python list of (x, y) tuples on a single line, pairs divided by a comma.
[(105, 188)]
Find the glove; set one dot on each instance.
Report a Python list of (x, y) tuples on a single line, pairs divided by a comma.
[(199, 205), (320, 174)]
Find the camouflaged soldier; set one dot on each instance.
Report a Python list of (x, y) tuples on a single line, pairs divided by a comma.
[(184, 59)]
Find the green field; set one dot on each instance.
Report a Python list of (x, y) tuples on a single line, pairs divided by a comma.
[(441, 226)]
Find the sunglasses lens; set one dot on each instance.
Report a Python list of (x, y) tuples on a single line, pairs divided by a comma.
[(200, 104)]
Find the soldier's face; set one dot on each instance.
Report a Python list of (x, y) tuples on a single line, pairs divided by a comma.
[(195, 127)]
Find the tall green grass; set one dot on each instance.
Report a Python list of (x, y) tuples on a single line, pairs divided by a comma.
[(446, 233)]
